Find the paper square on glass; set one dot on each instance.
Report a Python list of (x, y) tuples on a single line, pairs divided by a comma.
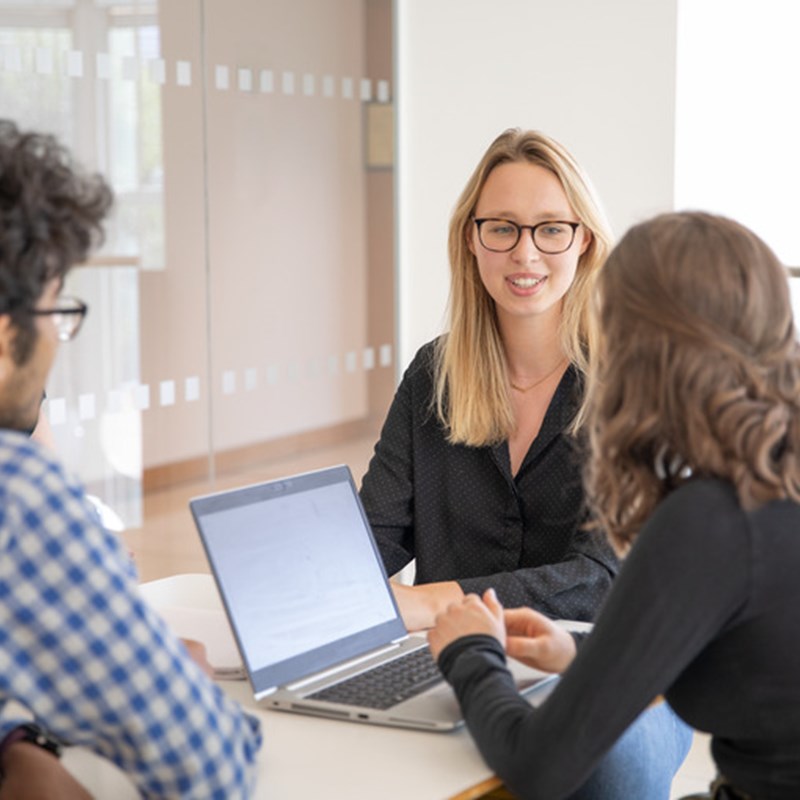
[(57, 410), (228, 382), (74, 64), (44, 61), (183, 73), (102, 66), (166, 390), (86, 406), (222, 78), (191, 389), (266, 81), (245, 80)]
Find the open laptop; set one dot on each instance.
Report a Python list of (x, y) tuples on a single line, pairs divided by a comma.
[(310, 605)]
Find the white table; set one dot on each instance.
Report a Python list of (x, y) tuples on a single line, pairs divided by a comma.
[(306, 757)]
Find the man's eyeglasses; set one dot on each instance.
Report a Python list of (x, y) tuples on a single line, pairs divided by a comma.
[(502, 235), (67, 316)]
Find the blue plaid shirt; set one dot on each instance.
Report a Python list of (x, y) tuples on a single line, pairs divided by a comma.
[(91, 661)]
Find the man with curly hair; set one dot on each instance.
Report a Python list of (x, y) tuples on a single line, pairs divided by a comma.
[(80, 651)]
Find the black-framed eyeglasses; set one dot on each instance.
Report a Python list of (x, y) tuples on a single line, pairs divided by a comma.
[(550, 237), (67, 316)]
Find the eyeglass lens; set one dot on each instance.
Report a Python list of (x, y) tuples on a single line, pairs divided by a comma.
[(502, 235)]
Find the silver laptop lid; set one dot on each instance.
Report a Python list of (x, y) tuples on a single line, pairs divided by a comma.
[(299, 573)]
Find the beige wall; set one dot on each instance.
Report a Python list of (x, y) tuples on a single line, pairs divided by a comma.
[(267, 274)]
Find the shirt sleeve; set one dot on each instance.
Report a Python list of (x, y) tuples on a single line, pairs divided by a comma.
[(92, 661), (387, 489), (685, 579), (573, 588)]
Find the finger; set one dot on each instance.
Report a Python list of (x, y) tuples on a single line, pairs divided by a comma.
[(492, 603)]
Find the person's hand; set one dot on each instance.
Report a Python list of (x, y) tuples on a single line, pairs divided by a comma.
[(419, 605), (197, 650), (470, 615), (31, 773), (538, 641)]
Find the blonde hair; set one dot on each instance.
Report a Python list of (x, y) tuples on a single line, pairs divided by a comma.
[(697, 372), (471, 395)]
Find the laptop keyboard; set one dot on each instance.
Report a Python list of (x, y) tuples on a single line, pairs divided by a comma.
[(387, 685)]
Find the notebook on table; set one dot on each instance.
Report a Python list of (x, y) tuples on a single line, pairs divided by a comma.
[(312, 610)]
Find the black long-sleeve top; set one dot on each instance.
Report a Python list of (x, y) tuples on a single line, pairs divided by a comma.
[(459, 511), (706, 611)]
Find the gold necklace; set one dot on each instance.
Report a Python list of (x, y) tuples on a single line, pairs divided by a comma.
[(524, 389)]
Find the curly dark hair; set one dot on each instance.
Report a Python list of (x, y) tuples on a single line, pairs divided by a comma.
[(697, 372), (51, 216)]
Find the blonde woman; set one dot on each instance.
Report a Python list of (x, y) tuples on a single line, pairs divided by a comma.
[(477, 474), (694, 423)]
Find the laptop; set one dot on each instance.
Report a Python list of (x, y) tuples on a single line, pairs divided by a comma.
[(311, 608)]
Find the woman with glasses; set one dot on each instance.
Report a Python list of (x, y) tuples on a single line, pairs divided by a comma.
[(477, 473), (694, 426)]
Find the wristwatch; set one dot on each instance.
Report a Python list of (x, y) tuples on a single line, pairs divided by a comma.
[(33, 734)]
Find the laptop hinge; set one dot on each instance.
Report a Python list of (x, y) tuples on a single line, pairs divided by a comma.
[(317, 676)]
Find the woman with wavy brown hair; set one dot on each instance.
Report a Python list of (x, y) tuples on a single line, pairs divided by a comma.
[(693, 411)]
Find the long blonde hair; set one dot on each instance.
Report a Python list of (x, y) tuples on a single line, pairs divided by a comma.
[(471, 385), (697, 372)]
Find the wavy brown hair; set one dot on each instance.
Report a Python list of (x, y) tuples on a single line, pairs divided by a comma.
[(697, 372), (51, 215), (471, 384)]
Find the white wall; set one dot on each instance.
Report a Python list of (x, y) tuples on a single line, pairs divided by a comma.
[(599, 75)]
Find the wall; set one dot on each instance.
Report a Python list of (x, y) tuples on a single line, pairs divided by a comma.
[(599, 76)]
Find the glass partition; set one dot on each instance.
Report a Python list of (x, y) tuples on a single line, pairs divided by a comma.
[(242, 306)]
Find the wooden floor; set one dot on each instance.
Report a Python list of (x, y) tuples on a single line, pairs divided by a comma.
[(168, 544)]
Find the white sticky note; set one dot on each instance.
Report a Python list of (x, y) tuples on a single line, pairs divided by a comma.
[(292, 372), (309, 85), (314, 369), (287, 83), (222, 77), (245, 78), (183, 73), (141, 396), (166, 393), (191, 389), (86, 406), (385, 356), (266, 81), (44, 61), (228, 382), (350, 361), (333, 365), (12, 58), (57, 410), (250, 379), (328, 86), (157, 68), (383, 91), (114, 401), (368, 358), (272, 374), (74, 64), (347, 88), (130, 68), (366, 89), (102, 66)]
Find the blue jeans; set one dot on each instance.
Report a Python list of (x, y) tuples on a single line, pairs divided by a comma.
[(643, 762)]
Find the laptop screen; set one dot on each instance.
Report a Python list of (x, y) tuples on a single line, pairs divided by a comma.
[(299, 573)]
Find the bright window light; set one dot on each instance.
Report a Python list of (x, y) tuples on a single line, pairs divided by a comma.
[(738, 116)]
